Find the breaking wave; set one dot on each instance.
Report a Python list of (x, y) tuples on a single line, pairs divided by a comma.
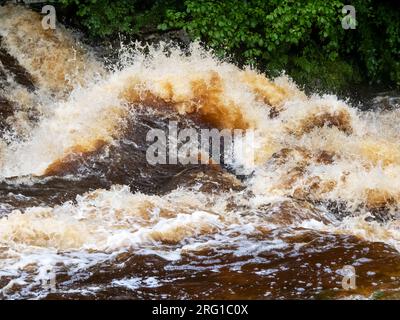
[(78, 196)]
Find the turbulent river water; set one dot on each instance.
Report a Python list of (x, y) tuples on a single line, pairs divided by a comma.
[(82, 208)]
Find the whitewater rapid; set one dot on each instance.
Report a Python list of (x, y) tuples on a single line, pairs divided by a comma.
[(321, 165)]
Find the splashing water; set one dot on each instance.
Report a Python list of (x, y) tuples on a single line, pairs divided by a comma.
[(79, 198)]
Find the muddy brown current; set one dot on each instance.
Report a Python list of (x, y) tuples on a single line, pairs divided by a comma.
[(81, 207)]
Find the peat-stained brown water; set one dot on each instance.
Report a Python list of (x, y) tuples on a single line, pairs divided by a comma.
[(82, 208)]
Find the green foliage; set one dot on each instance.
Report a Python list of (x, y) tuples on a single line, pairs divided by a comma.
[(259, 28), (303, 37), (104, 17), (377, 41), (298, 36)]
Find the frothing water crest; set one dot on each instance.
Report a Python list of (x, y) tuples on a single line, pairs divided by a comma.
[(78, 196)]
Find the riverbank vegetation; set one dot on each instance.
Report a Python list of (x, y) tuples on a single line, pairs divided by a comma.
[(304, 38)]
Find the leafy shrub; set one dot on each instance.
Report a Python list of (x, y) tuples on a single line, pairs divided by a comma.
[(376, 44), (305, 37), (104, 17)]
